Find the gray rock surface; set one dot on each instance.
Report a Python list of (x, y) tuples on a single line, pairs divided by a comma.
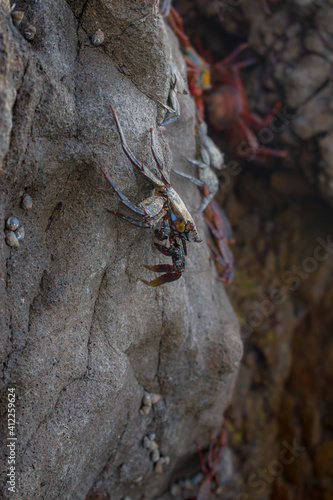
[(296, 40), (308, 75), (319, 106), (81, 336)]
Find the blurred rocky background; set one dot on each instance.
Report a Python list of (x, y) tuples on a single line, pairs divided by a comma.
[(281, 213)]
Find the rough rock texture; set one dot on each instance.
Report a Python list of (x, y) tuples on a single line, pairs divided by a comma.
[(83, 337)]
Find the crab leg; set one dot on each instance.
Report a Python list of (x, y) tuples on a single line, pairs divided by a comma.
[(258, 122), (140, 166), (218, 257), (197, 163), (213, 230), (164, 250), (206, 201), (203, 466), (199, 182), (161, 268), (165, 6), (195, 181), (123, 198), (234, 53), (157, 159), (228, 273), (272, 152), (229, 60), (210, 456), (177, 25), (129, 219), (221, 223)]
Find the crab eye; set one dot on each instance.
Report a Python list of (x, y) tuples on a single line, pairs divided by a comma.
[(190, 226)]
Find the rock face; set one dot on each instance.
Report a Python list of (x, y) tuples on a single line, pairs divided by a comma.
[(82, 337), (295, 42)]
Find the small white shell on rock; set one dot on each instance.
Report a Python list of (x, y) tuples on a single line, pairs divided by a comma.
[(145, 410), (151, 436), (155, 398), (11, 239), (188, 485), (146, 398), (29, 32), (159, 467), (197, 478), (155, 456), (20, 233), (12, 223), (26, 202), (146, 442), (17, 17), (175, 490), (153, 446), (98, 38)]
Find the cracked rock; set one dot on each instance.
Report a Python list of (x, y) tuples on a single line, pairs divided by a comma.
[(81, 336)]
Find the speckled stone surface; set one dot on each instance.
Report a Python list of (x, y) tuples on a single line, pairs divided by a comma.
[(82, 337)]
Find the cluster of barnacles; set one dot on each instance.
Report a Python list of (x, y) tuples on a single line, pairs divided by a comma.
[(148, 400), (149, 442), (14, 231), (27, 29)]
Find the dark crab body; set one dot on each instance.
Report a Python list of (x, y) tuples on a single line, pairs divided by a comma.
[(164, 212), (220, 228), (177, 251), (228, 109), (211, 467)]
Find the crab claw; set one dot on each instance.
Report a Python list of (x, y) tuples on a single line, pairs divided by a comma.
[(165, 278), (161, 268), (194, 237)]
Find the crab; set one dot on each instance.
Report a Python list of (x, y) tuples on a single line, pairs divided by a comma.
[(177, 86), (228, 109), (164, 212), (165, 6), (177, 251), (265, 5), (209, 152), (211, 468), (220, 228), (210, 156), (198, 71)]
